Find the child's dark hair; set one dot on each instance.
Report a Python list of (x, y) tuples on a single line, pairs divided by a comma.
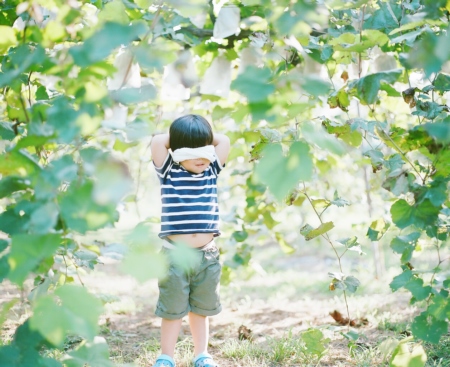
[(190, 131)]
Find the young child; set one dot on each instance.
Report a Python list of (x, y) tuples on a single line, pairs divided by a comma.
[(190, 216)]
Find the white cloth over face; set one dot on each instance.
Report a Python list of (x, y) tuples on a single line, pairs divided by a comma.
[(182, 154)]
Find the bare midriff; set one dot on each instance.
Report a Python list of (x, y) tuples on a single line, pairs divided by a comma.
[(192, 239)]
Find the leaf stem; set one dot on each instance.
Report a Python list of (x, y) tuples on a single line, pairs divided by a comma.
[(130, 64), (327, 238), (397, 148)]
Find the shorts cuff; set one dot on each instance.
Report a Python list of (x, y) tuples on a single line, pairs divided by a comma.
[(202, 312), (170, 316)]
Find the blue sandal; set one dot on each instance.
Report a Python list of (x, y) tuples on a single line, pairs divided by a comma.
[(204, 360), (164, 361)]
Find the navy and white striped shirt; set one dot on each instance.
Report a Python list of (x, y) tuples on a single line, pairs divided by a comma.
[(189, 200)]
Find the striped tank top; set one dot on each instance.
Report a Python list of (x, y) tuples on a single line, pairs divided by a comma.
[(189, 200)]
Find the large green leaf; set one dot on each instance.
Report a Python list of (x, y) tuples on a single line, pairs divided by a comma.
[(404, 215), (439, 131), (282, 173), (352, 42), (368, 86), (27, 251), (405, 245), (95, 353), (145, 263), (402, 356), (440, 307), (75, 312), (254, 83), (17, 162), (426, 327), (134, 95), (315, 342), (110, 36), (401, 280), (8, 38), (315, 134), (6, 131), (24, 58), (442, 82), (82, 213), (10, 184)]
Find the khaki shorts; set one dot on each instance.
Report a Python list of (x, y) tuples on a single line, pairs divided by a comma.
[(195, 290)]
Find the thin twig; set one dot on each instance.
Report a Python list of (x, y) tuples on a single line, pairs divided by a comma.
[(152, 27), (397, 148), (327, 238)]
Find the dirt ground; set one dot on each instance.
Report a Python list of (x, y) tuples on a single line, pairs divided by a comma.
[(132, 326), (271, 306)]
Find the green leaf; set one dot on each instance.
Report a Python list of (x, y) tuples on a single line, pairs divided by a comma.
[(4, 267), (338, 201), (285, 247), (144, 263), (315, 134), (440, 307), (315, 343), (352, 42), (311, 233), (368, 86), (346, 4), (27, 251), (402, 357), (6, 131), (112, 181), (442, 82), (17, 162), (383, 19), (282, 173), (90, 354), (8, 38), (315, 85), (415, 286), (440, 131), (10, 184), (110, 36), (134, 95), (240, 236), (24, 58), (404, 215), (48, 182), (254, 83), (401, 280), (377, 229), (43, 219), (351, 283), (81, 213), (76, 312), (405, 245), (426, 327), (113, 11)]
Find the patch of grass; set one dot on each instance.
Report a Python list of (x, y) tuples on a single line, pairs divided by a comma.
[(367, 356), (400, 328), (438, 354), (241, 349)]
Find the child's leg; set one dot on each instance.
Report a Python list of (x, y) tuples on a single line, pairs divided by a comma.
[(170, 330), (200, 332)]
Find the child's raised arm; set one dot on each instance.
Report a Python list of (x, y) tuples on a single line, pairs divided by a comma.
[(221, 144), (160, 148)]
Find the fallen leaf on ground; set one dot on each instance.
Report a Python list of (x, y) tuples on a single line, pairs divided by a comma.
[(341, 320), (244, 333)]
